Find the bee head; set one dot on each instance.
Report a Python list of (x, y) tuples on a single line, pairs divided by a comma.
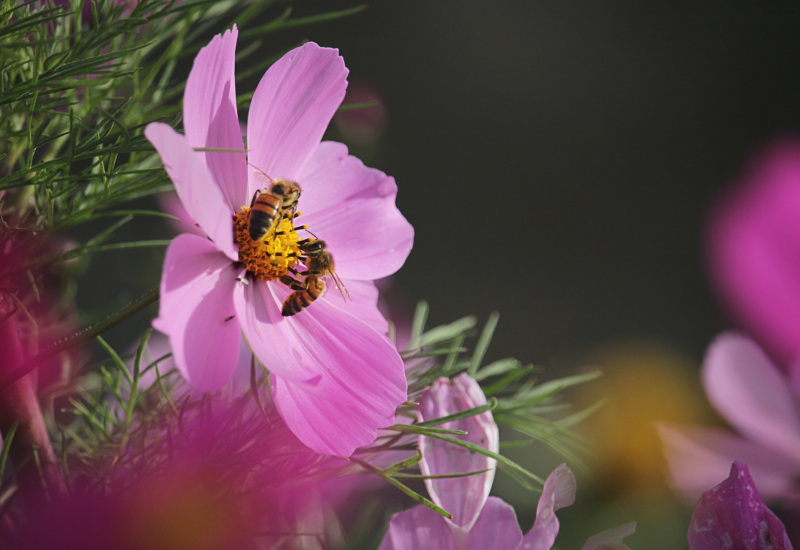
[(285, 187)]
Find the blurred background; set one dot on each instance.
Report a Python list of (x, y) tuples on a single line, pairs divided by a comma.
[(557, 160)]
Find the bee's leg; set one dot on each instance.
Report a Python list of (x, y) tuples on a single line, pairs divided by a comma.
[(278, 221), (292, 283)]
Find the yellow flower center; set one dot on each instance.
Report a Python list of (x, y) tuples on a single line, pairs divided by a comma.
[(272, 256)]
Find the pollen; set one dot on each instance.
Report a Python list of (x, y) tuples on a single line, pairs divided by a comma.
[(274, 255)]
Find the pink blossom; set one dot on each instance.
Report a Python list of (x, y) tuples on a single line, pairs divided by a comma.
[(335, 377), (732, 516), (224, 475), (463, 497), (479, 522), (754, 250), (760, 402)]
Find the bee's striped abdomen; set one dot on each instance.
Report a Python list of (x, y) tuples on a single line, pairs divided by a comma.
[(298, 300), (263, 214)]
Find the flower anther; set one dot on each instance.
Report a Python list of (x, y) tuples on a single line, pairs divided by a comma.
[(271, 257)]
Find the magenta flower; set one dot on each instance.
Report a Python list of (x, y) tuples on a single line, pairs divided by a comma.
[(759, 401), (335, 376), (479, 522), (224, 475), (754, 250), (732, 516)]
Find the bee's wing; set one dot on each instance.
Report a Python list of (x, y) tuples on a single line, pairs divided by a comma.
[(340, 286), (263, 174)]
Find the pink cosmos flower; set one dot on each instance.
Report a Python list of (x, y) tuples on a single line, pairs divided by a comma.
[(731, 515), (479, 522), (753, 244), (335, 377), (760, 402)]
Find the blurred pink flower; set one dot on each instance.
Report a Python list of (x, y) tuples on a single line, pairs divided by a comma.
[(760, 402), (732, 516), (336, 378), (222, 475), (479, 522), (753, 244), (365, 123)]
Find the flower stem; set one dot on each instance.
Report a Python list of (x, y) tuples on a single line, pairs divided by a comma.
[(10, 373), (30, 450)]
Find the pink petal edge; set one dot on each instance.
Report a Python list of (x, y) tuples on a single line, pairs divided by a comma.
[(558, 492), (196, 188), (210, 118), (352, 207), (291, 108), (417, 528), (699, 457), (751, 393), (336, 380), (195, 309)]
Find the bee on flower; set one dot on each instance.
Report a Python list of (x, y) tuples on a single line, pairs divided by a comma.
[(335, 376)]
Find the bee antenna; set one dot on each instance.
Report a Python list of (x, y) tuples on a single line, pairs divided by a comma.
[(312, 234)]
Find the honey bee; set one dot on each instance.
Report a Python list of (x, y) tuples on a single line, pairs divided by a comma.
[(319, 263), (269, 207)]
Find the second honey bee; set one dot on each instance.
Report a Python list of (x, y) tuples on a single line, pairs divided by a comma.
[(269, 207), (319, 263)]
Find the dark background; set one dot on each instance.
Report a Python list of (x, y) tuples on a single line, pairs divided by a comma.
[(557, 158)]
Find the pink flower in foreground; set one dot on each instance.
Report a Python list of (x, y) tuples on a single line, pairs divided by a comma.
[(759, 401), (335, 377), (754, 250), (479, 522), (222, 475), (732, 516)]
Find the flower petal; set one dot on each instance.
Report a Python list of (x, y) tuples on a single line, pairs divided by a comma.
[(558, 492), (753, 239), (195, 309), (335, 379), (353, 209), (291, 108), (196, 188), (210, 118), (749, 391), (731, 515), (419, 527), (699, 457), (463, 497), (362, 304), (496, 528), (611, 538)]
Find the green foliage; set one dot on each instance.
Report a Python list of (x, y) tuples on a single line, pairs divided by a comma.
[(76, 93), (515, 396)]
